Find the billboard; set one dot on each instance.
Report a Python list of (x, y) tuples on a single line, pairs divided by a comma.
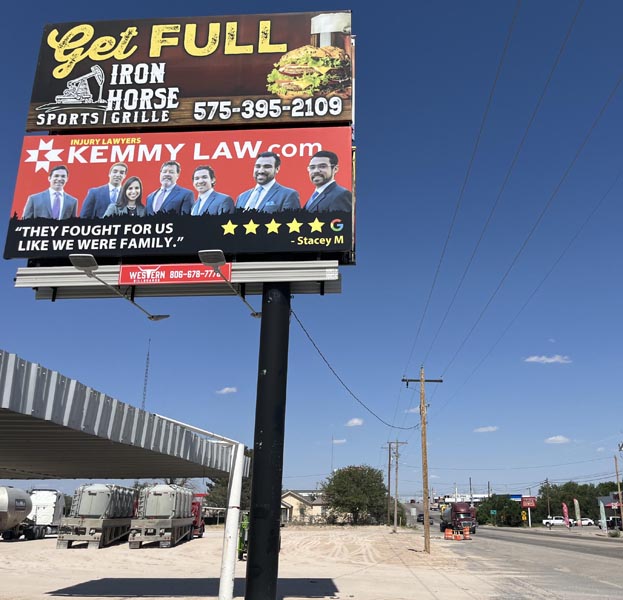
[(181, 192), (194, 73)]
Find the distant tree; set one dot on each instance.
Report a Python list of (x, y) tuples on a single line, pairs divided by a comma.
[(507, 511), (586, 494), (358, 490), (218, 488), (181, 481)]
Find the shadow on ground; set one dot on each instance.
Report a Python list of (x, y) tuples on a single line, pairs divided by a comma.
[(189, 588)]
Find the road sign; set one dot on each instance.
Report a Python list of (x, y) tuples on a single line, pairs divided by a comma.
[(528, 502), (493, 511)]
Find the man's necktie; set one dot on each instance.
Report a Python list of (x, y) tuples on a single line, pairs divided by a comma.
[(254, 198), (312, 200), (56, 205), (113, 195), (159, 200), (197, 206)]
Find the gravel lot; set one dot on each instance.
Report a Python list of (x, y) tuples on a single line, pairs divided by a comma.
[(360, 563)]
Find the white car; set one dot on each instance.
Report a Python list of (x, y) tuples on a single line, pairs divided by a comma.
[(550, 521), (584, 521)]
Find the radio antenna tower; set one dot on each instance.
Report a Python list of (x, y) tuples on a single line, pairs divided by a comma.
[(146, 376)]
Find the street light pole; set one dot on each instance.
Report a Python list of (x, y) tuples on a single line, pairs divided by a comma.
[(87, 264)]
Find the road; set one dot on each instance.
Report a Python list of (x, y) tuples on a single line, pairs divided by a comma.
[(538, 563), (563, 540)]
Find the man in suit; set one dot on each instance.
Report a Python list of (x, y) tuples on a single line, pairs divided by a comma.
[(170, 197), (268, 195), (328, 196), (209, 201), (100, 198), (53, 203)]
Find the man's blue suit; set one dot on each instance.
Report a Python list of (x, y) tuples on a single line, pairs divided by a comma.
[(179, 201), (277, 198), (216, 204), (333, 197), (96, 203), (38, 205)]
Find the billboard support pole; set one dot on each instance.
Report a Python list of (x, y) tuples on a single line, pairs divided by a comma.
[(270, 412)]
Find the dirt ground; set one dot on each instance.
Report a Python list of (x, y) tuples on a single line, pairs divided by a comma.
[(363, 563)]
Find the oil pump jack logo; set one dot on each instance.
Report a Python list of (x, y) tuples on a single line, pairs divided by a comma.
[(80, 91)]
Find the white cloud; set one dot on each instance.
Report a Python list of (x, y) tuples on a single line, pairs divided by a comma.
[(339, 441), (557, 439), (601, 449), (434, 476), (227, 390), (486, 429), (546, 360), (355, 422), (415, 409), (551, 340)]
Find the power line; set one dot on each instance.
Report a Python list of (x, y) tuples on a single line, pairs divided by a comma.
[(537, 222), (466, 178), (313, 343), (574, 237), (580, 462), (506, 178)]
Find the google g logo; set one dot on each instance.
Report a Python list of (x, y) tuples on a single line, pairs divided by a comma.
[(337, 225)]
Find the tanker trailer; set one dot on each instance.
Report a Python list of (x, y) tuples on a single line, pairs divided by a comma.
[(100, 515), (15, 506), (164, 514)]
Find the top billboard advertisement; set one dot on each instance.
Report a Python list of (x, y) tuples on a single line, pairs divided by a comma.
[(194, 73)]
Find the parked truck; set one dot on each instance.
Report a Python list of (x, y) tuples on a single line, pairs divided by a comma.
[(199, 525), (458, 516), (100, 514), (31, 514), (165, 515), (48, 509)]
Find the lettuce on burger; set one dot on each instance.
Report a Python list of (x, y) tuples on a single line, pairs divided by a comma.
[(310, 71)]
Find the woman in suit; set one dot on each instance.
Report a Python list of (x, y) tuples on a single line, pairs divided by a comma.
[(130, 200)]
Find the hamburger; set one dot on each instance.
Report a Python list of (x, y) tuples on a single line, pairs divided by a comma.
[(311, 71)]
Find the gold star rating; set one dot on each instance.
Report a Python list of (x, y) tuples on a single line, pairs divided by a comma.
[(316, 225), (294, 225), (273, 226), (229, 228), (251, 227)]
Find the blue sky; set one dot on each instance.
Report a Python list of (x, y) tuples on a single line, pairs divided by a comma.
[(531, 378)]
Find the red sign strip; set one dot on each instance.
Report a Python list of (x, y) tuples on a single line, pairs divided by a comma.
[(172, 273)]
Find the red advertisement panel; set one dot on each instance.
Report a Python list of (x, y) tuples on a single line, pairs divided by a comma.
[(528, 502), (194, 72), (172, 273), (168, 195)]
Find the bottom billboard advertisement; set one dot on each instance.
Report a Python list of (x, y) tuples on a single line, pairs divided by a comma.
[(285, 192)]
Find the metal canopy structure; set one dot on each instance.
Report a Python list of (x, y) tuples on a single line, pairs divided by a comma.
[(67, 282), (54, 427)]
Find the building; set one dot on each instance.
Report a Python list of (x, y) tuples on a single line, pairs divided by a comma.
[(303, 507)]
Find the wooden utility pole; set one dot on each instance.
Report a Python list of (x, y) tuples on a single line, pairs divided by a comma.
[(389, 480), (616, 470), (396, 446), (425, 499)]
